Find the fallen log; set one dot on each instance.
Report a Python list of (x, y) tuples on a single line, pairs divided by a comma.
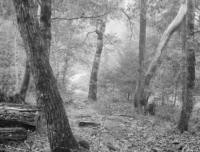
[(88, 124), (18, 115), (12, 134)]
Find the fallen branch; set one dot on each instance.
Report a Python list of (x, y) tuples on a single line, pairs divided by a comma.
[(88, 124)]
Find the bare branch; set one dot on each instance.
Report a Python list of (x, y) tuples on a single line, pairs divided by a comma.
[(80, 17), (129, 20)]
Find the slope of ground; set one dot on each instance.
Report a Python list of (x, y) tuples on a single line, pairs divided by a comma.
[(120, 130)]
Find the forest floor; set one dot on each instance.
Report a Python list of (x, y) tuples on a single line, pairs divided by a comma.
[(118, 129)]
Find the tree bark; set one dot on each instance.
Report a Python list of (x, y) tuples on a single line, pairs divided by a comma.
[(175, 93), (92, 95), (156, 62), (59, 132), (142, 48), (16, 65), (189, 68), (45, 24)]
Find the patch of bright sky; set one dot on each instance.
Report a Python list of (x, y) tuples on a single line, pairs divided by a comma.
[(117, 27)]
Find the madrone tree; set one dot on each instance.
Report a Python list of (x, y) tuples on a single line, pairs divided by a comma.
[(32, 32), (156, 61)]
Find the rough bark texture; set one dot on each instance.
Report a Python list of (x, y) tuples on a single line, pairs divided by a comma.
[(45, 24), (59, 131), (189, 71), (92, 95), (156, 62), (142, 48)]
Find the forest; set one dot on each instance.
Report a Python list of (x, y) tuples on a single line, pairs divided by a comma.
[(99, 76)]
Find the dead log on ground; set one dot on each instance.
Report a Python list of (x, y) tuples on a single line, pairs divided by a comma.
[(18, 115), (12, 134), (88, 124)]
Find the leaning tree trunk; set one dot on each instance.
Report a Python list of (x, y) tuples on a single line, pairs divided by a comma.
[(156, 62), (59, 131), (142, 47), (189, 68), (92, 95), (45, 25)]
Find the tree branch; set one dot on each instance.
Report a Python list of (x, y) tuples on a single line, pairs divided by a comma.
[(129, 20), (79, 17)]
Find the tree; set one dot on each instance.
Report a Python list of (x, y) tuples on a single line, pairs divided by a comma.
[(189, 68), (25, 82), (59, 131), (156, 61), (92, 95), (142, 47), (10, 62)]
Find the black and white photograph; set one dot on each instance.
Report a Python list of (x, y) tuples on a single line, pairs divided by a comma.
[(99, 75)]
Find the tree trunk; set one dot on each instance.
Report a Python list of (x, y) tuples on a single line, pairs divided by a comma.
[(142, 48), (189, 70), (45, 24), (156, 62), (128, 96), (16, 63), (163, 96), (26, 80), (92, 95), (175, 94), (59, 132), (177, 79)]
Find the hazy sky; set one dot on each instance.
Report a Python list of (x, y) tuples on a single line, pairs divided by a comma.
[(117, 27)]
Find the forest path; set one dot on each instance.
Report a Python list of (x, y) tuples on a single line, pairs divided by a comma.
[(120, 132)]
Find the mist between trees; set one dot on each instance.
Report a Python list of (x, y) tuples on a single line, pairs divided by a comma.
[(90, 75)]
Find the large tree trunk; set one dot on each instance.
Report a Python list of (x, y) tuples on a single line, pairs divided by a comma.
[(45, 24), (156, 62), (92, 95), (59, 131), (142, 48), (189, 68)]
